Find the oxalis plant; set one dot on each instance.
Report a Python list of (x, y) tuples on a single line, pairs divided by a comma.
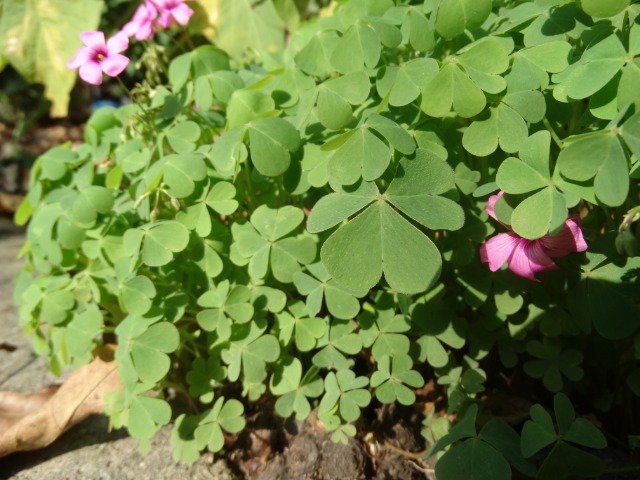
[(409, 191)]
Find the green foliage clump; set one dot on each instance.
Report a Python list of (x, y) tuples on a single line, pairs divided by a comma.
[(306, 222)]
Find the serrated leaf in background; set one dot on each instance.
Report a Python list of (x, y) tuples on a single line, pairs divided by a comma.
[(39, 37)]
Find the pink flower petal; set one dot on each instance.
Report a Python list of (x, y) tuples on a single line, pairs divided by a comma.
[(118, 43), (569, 239), (145, 31), (497, 250), (93, 39), (182, 14), (529, 258), (83, 55), (142, 22), (114, 64), (166, 19), (91, 72), (491, 204)]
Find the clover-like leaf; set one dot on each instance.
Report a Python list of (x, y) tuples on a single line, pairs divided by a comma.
[(379, 240), (204, 375), (546, 210), (82, 331), (602, 10), (393, 376), (346, 391), (606, 297), (358, 46), (266, 248), (452, 88), (416, 188), (338, 339), (599, 161), (403, 84), (294, 389), (340, 302), (503, 127), (473, 455), (225, 305), (182, 440), (360, 154), (385, 243), (270, 142), (228, 151), (182, 136), (224, 415), (552, 363), (383, 333), (336, 96), (440, 328), (182, 171), (602, 59), (248, 104), (136, 294), (454, 16), (539, 432), (249, 351), (315, 56), (92, 201), (144, 346), (296, 322), (156, 242)]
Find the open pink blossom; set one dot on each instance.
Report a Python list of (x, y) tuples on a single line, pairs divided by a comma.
[(143, 22), (528, 257), (172, 10), (97, 56)]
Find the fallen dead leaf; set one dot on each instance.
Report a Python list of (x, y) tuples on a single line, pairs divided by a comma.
[(33, 421)]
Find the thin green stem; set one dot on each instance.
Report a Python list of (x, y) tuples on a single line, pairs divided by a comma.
[(246, 174), (553, 133)]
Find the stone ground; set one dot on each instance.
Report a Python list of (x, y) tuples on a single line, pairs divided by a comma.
[(87, 451)]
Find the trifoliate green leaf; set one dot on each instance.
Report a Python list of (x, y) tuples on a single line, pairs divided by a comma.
[(455, 16)]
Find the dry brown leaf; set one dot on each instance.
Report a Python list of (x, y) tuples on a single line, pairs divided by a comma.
[(32, 421)]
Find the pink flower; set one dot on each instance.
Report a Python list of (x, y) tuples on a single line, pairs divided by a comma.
[(97, 56), (172, 10), (143, 22), (528, 257)]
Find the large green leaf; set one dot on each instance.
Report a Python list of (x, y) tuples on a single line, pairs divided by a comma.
[(39, 37), (599, 63), (378, 241), (415, 191), (600, 159)]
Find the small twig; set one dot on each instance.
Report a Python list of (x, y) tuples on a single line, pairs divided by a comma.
[(405, 453)]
